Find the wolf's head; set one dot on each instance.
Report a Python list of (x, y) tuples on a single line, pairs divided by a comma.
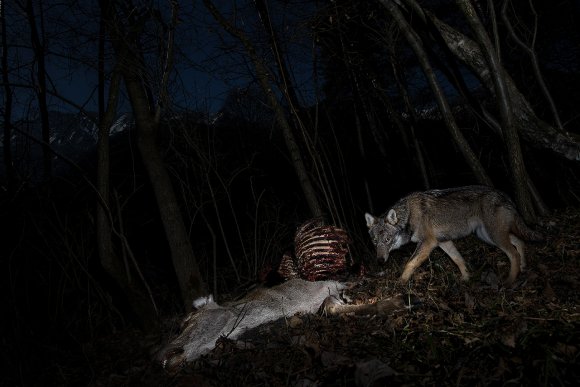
[(387, 233)]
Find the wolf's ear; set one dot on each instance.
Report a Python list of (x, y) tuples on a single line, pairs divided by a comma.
[(392, 217), (371, 220)]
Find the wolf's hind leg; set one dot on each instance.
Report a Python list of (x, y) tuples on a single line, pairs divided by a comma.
[(451, 250), (520, 247), (512, 253)]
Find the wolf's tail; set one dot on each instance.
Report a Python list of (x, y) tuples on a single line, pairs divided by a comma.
[(523, 231)]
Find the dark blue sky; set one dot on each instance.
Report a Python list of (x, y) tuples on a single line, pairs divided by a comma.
[(202, 76)]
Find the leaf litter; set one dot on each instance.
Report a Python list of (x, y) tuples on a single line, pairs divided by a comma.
[(477, 333)]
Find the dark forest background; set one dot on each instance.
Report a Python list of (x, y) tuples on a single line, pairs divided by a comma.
[(127, 190)]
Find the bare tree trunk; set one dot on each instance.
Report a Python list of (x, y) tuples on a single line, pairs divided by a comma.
[(414, 145), (510, 134), (38, 49), (532, 129), (413, 116), (137, 297), (189, 277), (464, 147), (300, 120), (361, 109), (362, 152), (6, 141), (539, 203), (104, 220), (147, 120), (287, 86), (530, 50), (101, 60), (263, 76), (139, 302)]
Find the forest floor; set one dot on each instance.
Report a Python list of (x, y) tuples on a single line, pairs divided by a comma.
[(478, 333)]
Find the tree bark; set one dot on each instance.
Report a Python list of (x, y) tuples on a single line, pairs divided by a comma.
[(137, 298), (510, 134), (38, 49), (147, 120), (7, 140), (399, 80), (464, 147), (530, 50), (532, 129), (287, 86)]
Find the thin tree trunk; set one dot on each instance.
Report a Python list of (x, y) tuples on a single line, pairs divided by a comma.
[(464, 147), (395, 117), (6, 141), (413, 117), (104, 218), (263, 76), (532, 129), (137, 298), (147, 120), (38, 49), (533, 59), (362, 152), (301, 121), (287, 86), (139, 303), (101, 62), (510, 134), (359, 106)]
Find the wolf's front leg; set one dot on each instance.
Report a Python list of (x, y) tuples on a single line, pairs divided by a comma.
[(422, 252)]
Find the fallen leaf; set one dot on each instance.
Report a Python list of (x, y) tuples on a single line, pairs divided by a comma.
[(334, 360), (490, 278), (509, 340), (469, 301), (548, 292), (369, 372), (566, 349), (295, 321)]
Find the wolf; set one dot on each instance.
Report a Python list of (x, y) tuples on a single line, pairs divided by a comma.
[(438, 217)]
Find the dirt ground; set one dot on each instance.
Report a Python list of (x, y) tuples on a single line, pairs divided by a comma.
[(478, 333)]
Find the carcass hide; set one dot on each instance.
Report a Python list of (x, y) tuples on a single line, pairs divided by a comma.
[(201, 328)]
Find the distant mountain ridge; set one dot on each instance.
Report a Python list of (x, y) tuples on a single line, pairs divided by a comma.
[(73, 135)]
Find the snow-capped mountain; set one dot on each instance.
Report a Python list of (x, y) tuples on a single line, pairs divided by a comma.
[(72, 136)]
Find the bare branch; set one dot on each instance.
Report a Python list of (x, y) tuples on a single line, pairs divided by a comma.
[(417, 46), (534, 59)]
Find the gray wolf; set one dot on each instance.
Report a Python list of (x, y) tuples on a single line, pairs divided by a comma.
[(438, 217)]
